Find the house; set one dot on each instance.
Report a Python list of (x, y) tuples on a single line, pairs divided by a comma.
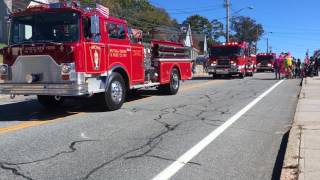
[(7, 6)]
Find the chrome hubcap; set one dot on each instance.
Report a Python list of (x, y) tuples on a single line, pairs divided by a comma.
[(116, 91), (175, 81)]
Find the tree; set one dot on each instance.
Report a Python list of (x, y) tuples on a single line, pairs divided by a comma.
[(139, 14), (217, 30), (246, 29), (199, 24)]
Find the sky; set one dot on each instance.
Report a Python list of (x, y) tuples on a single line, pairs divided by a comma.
[(292, 25)]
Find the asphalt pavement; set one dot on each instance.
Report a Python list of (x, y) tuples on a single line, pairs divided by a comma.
[(150, 133)]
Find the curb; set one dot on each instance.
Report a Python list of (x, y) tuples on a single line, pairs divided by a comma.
[(290, 168)]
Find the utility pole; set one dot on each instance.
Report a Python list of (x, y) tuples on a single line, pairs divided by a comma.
[(267, 33), (267, 45), (227, 5), (256, 44)]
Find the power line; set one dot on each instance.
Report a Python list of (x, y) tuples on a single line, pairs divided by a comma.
[(195, 11)]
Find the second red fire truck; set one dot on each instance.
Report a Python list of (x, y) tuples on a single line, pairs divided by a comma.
[(60, 50), (265, 61), (231, 58)]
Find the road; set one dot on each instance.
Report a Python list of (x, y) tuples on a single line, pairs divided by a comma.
[(150, 133)]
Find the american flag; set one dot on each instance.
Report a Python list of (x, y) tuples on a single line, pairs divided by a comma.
[(103, 10)]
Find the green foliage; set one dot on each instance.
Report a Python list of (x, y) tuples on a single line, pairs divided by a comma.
[(201, 25), (217, 30), (138, 13), (246, 29), (2, 45)]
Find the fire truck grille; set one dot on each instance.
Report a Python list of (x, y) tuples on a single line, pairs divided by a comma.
[(223, 62), (44, 66)]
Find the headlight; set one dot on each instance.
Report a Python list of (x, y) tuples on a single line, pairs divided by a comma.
[(66, 68), (269, 65), (3, 69)]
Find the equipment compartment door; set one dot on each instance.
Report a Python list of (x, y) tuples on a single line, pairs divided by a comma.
[(137, 65)]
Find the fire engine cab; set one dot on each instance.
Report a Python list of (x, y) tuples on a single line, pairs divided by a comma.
[(265, 61), (61, 50), (229, 59)]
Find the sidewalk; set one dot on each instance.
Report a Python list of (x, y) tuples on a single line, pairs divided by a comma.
[(302, 159)]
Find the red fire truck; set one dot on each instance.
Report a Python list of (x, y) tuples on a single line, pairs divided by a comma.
[(265, 61), (231, 58), (251, 66), (60, 50)]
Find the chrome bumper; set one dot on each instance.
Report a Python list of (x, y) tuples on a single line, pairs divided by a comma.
[(223, 70), (44, 89)]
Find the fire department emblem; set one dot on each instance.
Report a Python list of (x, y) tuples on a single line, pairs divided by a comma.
[(95, 52)]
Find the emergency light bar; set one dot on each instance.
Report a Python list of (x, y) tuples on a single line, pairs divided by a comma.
[(230, 43)]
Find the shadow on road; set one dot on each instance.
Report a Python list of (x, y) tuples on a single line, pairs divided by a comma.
[(31, 110), (276, 174), (216, 78), (201, 78)]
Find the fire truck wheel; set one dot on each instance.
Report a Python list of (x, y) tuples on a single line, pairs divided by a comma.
[(242, 75), (215, 76), (50, 101), (173, 87), (115, 94)]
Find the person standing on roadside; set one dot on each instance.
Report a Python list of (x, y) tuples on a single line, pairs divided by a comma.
[(277, 67), (298, 68), (294, 68), (288, 65), (316, 66)]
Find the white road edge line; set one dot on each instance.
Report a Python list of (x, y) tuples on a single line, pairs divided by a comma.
[(195, 150)]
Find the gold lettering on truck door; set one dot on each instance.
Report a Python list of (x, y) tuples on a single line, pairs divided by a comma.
[(118, 53)]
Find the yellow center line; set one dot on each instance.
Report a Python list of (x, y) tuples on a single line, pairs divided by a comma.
[(31, 123), (35, 122)]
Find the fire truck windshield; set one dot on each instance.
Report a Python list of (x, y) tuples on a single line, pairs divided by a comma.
[(226, 51), (265, 58), (45, 27)]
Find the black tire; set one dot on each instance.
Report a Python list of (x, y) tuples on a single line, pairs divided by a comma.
[(115, 94), (242, 75), (215, 76), (171, 88), (51, 102), (250, 74)]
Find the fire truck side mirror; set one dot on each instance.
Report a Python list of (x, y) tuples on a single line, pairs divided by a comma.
[(95, 29)]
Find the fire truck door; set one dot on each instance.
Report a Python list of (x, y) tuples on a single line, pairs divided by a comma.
[(94, 48), (119, 49)]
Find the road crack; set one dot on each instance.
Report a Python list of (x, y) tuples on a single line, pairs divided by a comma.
[(14, 167)]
